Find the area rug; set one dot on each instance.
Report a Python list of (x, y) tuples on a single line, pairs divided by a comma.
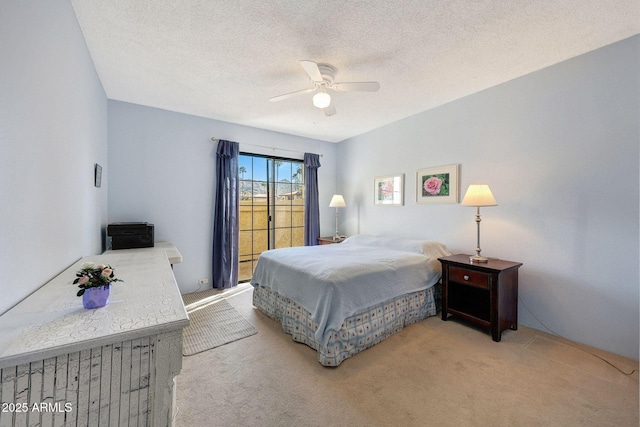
[(212, 324)]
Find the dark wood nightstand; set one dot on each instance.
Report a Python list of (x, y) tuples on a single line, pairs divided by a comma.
[(482, 293), (329, 240)]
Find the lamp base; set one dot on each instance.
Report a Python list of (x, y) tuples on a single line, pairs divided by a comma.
[(478, 258)]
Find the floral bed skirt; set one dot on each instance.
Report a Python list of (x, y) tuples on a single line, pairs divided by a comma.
[(358, 332)]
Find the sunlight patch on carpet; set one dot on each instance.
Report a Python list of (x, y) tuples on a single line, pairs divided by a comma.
[(212, 325)]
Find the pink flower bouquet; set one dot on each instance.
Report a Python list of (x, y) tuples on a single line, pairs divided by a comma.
[(92, 275)]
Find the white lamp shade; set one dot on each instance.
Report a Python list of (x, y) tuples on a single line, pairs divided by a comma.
[(337, 201), (321, 99), (479, 195)]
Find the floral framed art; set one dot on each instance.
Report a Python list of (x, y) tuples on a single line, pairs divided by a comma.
[(437, 184), (389, 190)]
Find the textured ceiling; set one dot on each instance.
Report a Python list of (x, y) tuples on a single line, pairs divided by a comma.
[(225, 59)]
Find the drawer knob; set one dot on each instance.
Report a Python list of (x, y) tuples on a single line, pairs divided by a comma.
[(466, 277)]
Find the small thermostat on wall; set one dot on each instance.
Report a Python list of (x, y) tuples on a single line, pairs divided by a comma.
[(97, 175)]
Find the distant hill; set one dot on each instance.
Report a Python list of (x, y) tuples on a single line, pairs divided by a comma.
[(247, 188)]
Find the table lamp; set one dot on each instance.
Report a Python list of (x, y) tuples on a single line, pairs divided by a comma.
[(337, 201), (478, 195)]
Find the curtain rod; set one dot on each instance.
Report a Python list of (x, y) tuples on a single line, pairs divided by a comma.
[(264, 146)]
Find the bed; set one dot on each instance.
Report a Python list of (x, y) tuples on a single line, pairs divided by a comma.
[(344, 298)]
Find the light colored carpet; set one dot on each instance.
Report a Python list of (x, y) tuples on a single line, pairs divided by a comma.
[(433, 373), (213, 322)]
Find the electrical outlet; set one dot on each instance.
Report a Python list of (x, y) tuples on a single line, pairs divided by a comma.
[(203, 281)]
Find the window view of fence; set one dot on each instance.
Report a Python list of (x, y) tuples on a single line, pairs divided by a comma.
[(271, 207)]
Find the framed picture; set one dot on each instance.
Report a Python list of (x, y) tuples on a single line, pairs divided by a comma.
[(389, 190), (97, 175), (437, 185)]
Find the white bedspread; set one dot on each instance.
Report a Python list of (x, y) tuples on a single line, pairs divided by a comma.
[(335, 281)]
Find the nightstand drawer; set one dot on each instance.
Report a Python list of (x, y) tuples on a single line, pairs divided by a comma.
[(469, 277)]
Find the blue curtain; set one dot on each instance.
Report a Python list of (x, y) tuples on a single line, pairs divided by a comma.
[(311, 205), (225, 221)]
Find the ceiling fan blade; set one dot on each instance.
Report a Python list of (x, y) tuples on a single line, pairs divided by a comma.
[(330, 110), (289, 95), (356, 86), (312, 70)]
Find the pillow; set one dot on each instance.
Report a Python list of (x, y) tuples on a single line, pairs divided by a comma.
[(362, 239), (435, 249), (408, 245)]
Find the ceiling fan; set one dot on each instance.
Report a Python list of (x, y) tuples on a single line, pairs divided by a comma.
[(322, 77)]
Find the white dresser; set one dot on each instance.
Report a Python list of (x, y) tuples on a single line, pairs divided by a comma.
[(61, 364)]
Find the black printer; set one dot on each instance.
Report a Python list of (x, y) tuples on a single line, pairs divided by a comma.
[(127, 235)]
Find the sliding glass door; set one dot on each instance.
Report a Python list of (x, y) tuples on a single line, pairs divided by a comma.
[(271, 207)]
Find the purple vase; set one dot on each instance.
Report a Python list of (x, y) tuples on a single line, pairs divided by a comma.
[(96, 297)]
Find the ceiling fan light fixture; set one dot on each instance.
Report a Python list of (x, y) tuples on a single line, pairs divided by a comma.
[(321, 76), (321, 99)]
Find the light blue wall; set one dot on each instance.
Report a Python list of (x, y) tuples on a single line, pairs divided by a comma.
[(53, 128), (559, 149), (162, 171)]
